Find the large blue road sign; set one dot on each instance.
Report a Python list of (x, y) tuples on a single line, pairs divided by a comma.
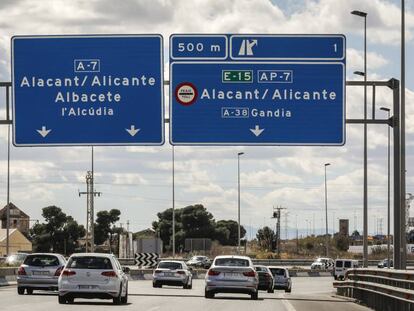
[(257, 89), (88, 90)]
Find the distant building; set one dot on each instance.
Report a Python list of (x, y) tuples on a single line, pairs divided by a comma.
[(17, 242), (344, 227), (18, 219)]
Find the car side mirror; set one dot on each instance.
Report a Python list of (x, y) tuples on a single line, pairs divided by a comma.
[(126, 270)]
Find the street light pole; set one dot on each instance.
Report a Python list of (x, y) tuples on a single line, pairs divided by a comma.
[(388, 192), (365, 244), (238, 201), (326, 214)]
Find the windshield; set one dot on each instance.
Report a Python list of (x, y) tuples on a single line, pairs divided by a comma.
[(198, 258), (98, 263), (232, 262), (42, 261), (170, 265)]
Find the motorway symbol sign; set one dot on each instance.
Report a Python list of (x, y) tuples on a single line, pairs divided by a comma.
[(257, 89), (88, 90)]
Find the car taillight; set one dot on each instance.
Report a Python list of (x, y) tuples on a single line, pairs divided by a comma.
[(180, 272), (58, 271), (213, 272), (157, 271), (249, 274), (110, 274), (68, 273), (21, 271)]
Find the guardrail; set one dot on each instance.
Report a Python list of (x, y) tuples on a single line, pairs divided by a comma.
[(382, 290)]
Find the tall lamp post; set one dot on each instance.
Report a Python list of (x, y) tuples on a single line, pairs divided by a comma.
[(388, 193), (326, 214), (365, 246), (238, 201)]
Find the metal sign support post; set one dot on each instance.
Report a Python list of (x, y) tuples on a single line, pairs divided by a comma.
[(399, 174)]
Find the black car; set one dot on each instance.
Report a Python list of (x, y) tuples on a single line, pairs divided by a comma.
[(265, 278)]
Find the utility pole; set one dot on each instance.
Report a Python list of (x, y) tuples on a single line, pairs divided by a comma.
[(277, 215), (90, 194)]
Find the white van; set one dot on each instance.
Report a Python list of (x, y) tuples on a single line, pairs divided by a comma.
[(342, 265)]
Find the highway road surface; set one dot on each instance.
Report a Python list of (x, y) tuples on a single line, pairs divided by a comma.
[(308, 294)]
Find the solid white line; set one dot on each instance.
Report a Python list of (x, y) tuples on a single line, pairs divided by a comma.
[(288, 305)]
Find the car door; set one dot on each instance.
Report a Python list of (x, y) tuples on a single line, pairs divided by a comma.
[(122, 274)]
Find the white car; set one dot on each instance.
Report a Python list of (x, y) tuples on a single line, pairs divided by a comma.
[(174, 273), (281, 278), (92, 275), (343, 265), (322, 263), (232, 274)]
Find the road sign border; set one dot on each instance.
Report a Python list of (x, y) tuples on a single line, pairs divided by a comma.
[(287, 58), (259, 143), (159, 36), (200, 35)]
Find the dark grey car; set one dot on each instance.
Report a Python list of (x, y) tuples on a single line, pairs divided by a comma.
[(39, 271)]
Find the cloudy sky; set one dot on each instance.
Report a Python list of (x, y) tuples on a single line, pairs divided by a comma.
[(137, 180)]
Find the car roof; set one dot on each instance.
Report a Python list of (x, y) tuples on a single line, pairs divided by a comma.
[(174, 261), (37, 254), (232, 256), (103, 255), (277, 267)]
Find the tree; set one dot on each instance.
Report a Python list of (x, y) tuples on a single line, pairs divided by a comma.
[(104, 226), (227, 232), (59, 234), (195, 221), (342, 243), (265, 237)]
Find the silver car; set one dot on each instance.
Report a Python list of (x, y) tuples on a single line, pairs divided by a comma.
[(232, 274), (39, 272), (174, 273), (281, 278)]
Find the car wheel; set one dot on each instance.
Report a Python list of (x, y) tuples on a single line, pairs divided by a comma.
[(117, 300), (208, 294), (270, 290), (254, 296), (124, 299), (61, 299), (20, 290), (70, 300), (288, 290), (29, 291)]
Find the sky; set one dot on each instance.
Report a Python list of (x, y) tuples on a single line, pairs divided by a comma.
[(138, 180)]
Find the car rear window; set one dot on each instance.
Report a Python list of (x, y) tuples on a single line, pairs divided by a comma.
[(261, 269), (99, 263), (170, 265), (278, 271), (347, 264), (231, 262), (339, 264), (42, 261)]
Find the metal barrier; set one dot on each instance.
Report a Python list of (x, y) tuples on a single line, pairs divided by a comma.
[(380, 289)]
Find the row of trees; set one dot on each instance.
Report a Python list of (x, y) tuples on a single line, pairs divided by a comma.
[(194, 221), (60, 233)]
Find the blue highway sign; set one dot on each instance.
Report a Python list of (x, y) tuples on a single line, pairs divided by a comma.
[(88, 90), (257, 90)]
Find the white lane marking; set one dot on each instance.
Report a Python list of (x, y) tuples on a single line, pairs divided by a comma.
[(154, 308), (288, 305)]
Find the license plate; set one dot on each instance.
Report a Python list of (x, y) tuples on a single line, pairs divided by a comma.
[(40, 272), (232, 275), (87, 286), (168, 274)]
